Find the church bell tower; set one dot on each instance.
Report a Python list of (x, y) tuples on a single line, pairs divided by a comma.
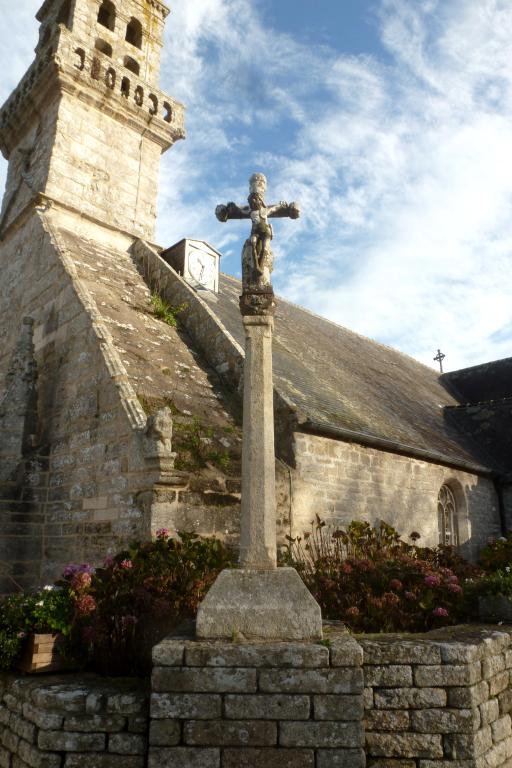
[(87, 124)]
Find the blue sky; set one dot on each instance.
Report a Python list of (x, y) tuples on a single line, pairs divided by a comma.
[(388, 120)]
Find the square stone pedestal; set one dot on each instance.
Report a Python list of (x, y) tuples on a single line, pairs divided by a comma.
[(218, 704)]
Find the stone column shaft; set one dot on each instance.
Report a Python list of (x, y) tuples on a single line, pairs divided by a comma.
[(258, 513)]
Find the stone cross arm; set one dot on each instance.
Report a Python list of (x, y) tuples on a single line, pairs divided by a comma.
[(281, 210)]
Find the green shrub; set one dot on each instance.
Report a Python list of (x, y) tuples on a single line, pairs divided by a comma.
[(374, 581), (122, 609), (167, 312), (497, 555)]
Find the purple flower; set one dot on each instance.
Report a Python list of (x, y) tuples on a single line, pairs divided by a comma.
[(73, 568), (432, 581), (440, 612), (455, 588), (128, 621), (108, 561), (162, 533)]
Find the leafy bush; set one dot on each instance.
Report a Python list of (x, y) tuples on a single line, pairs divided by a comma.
[(165, 311), (122, 609), (374, 581), (49, 611), (497, 555)]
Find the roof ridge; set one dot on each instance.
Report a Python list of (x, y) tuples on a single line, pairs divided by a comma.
[(349, 330)]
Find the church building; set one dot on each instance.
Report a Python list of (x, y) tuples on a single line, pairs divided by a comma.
[(121, 360)]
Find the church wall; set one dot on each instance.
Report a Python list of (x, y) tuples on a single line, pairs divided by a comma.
[(103, 168), (345, 481), (75, 495)]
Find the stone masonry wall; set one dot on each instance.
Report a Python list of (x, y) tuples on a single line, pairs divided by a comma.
[(346, 481), (72, 722), (438, 701), (256, 705)]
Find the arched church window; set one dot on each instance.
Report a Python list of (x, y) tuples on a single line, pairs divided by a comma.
[(132, 65), (447, 517), (64, 13), (107, 15), (134, 33), (104, 47)]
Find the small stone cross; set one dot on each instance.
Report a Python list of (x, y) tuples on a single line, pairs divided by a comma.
[(439, 359)]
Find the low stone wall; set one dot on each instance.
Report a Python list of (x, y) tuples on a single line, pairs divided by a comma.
[(441, 700), (72, 722), (250, 705)]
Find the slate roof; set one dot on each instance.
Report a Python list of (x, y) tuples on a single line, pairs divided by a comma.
[(338, 379)]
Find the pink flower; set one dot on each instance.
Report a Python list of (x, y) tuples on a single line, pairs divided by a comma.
[(108, 561), (410, 595), (346, 568), (352, 611), (455, 588), (396, 584), (432, 581), (126, 564), (81, 581), (162, 533), (440, 612), (85, 605), (453, 579)]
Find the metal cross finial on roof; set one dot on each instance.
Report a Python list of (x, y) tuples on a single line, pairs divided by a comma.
[(439, 359)]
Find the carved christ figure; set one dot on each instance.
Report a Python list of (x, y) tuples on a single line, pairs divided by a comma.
[(256, 270)]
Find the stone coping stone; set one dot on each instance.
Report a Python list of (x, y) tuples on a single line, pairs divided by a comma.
[(338, 649)]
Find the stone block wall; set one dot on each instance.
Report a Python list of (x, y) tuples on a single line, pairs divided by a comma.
[(267, 705), (438, 701), (72, 722), (346, 481)]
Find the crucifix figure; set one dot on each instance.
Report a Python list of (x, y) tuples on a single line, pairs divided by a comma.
[(439, 359), (257, 257)]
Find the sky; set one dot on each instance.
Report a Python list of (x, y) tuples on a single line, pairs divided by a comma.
[(389, 121)]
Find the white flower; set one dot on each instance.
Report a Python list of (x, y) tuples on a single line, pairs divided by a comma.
[(507, 568), (49, 588), (41, 602)]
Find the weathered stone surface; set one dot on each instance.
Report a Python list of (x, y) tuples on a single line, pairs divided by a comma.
[(337, 707), (184, 757), (445, 720), (92, 723), (388, 676), (390, 763), (191, 706), (492, 665), (320, 734), (164, 733), (268, 758), (36, 759), (404, 745), (489, 711), (409, 698), (448, 675), (257, 733), (505, 701), (46, 720), (394, 649), (340, 680), (169, 653), (127, 744), (498, 683), (67, 741), (267, 707), (126, 703), (270, 605), (466, 746), (466, 698), (501, 729), (22, 728), (295, 655), (340, 758), (202, 680), (346, 652), (103, 761), (384, 720), (67, 698)]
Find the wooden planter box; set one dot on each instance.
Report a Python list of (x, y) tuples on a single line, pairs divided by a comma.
[(41, 654), (495, 608)]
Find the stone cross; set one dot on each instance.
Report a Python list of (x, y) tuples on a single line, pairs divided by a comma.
[(439, 359), (259, 600)]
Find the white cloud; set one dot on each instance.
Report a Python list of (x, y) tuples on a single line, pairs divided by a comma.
[(401, 162)]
